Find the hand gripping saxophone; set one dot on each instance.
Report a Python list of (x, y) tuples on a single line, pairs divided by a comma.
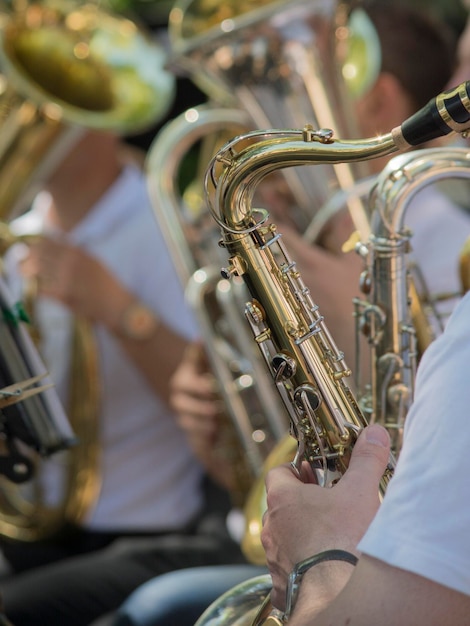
[(307, 367)]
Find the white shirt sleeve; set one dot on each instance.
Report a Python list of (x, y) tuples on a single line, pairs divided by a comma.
[(423, 523)]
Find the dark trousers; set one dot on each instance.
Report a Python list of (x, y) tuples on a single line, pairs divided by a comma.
[(77, 590), (179, 598), (79, 577)]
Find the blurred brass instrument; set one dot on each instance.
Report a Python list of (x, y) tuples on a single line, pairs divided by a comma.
[(464, 266), (33, 423), (261, 64), (385, 316), (283, 62), (254, 419), (66, 67), (305, 364)]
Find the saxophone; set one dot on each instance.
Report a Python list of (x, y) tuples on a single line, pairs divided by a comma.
[(395, 333), (271, 59), (308, 369)]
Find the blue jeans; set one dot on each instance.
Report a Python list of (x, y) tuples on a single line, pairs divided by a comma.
[(180, 597)]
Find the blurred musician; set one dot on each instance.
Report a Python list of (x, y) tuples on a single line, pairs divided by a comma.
[(100, 257)]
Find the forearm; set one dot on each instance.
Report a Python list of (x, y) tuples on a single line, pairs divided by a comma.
[(156, 357), (319, 588), (377, 593), (154, 348)]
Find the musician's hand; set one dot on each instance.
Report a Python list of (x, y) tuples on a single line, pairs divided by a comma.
[(303, 519), (199, 410), (194, 397), (76, 279)]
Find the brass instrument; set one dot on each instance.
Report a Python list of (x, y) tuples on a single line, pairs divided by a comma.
[(66, 67), (33, 423), (261, 65), (306, 365), (254, 419), (464, 266), (386, 316), (283, 62), (392, 317)]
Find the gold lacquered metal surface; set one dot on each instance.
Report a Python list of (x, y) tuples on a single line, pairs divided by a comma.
[(85, 66)]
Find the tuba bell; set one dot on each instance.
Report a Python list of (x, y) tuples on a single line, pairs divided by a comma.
[(65, 67)]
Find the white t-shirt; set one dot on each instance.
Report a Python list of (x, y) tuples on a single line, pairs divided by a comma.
[(440, 228), (150, 479), (423, 523)]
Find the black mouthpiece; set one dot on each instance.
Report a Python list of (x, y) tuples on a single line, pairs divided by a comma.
[(448, 112)]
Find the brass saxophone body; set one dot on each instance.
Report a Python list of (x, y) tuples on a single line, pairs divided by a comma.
[(306, 365)]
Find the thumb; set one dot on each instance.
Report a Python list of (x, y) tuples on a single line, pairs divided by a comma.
[(370, 455)]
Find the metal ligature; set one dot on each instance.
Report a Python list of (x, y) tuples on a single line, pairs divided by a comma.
[(307, 367)]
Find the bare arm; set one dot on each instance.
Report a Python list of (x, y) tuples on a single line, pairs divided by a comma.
[(379, 594), (304, 519), (83, 284)]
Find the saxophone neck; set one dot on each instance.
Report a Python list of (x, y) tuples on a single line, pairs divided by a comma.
[(405, 176), (247, 159), (270, 151)]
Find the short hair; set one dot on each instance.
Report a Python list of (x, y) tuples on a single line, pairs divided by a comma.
[(417, 48)]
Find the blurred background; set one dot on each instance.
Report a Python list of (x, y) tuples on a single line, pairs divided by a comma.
[(154, 15)]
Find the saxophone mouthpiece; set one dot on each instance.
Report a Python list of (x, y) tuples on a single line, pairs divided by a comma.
[(448, 112)]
